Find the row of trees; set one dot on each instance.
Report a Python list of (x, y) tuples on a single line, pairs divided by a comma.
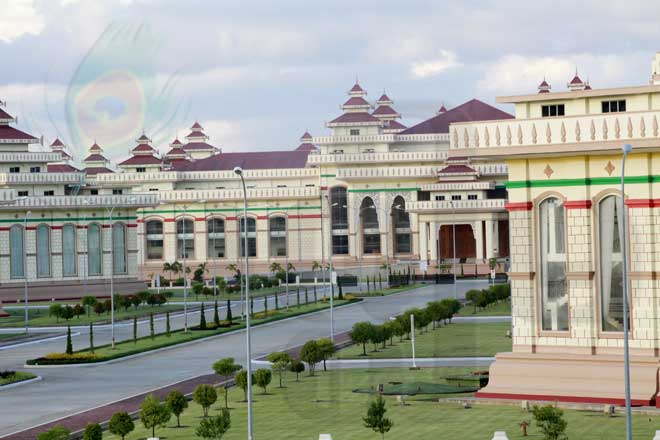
[(435, 313), (481, 299), (89, 304)]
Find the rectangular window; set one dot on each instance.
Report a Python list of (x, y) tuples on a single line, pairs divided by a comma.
[(22, 194), (35, 169), (439, 198), (49, 193), (552, 268), (340, 244), (552, 110), (117, 191), (14, 169), (94, 192), (616, 106), (456, 197), (140, 170), (472, 197), (153, 189), (355, 132)]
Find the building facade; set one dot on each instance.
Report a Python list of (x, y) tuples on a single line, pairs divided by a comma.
[(564, 156)]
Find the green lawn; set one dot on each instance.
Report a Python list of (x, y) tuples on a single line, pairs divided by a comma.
[(18, 376), (40, 318), (161, 340), (453, 340), (386, 291), (326, 404), (256, 293), (4, 336), (499, 309)]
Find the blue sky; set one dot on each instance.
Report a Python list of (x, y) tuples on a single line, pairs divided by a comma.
[(258, 73)]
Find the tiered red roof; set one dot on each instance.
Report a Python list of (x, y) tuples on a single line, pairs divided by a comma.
[(62, 168), (356, 101), (6, 116), (196, 126), (384, 99), (92, 171), (356, 89), (385, 110), (394, 125), (248, 161), (7, 132), (143, 149), (357, 117), (141, 160), (57, 143)]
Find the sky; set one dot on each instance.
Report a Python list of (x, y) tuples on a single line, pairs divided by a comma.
[(257, 74)]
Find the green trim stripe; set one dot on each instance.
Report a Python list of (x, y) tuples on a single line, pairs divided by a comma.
[(382, 190), (190, 211), (329, 175), (588, 181), (89, 219)]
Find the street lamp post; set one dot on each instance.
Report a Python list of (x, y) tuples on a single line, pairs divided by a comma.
[(453, 237), (112, 273), (627, 148), (332, 290), (184, 252), (239, 172), (25, 271)]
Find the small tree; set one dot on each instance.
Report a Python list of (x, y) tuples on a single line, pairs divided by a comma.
[(205, 396), (297, 367), (152, 333), (202, 318), (241, 381), (361, 334), (550, 420), (214, 428), (89, 302), (168, 329), (177, 403), (376, 419), (311, 353), (55, 310), (121, 424), (229, 317), (91, 337), (153, 414), (93, 431), (69, 344), (135, 328), (262, 378), (58, 432), (327, 349), (226, 368), (216, 316), (281, 362)]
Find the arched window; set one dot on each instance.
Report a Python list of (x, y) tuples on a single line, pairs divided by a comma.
[(554, 292), (69, 243), (401, 226), (43, 251), (185, 237), (94, 249), (16, 251), (251, 235), (216, 234), (119, 248), (610, 237), (154, 240), (369, 223), (339, 220), (277, 228)]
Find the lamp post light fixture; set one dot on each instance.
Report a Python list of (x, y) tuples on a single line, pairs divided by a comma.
[(453, 237), (239, 172), (184, 253), (25, 271), (627, 148)]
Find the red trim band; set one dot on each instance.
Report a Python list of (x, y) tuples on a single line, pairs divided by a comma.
[(576, 399), (643, 203), (518, 206), (578, 204)]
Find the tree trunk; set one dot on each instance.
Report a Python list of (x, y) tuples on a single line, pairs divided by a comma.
[(364, 349), (178, 421), (324, 368), (226, 397)]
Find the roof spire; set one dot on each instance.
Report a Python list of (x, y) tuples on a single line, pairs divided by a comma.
[(544, 87), (576, 83)]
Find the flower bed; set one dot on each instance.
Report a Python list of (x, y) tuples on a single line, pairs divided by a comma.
[(10, 377)]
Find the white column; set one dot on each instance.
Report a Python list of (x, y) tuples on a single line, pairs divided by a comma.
[(490, 244), (423, 241), (477, 230), (434, 241)]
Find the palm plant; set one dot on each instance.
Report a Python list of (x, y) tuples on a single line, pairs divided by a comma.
[(276, 267), (167, 267)]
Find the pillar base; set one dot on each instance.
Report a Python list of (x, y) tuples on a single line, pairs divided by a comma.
[(571, 378)]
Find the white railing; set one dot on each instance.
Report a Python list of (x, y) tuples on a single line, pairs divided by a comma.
[(492, 169), (458, 186), (381, 138), (43, 178), (56, 202), (29, 156), (389, 172), (178, 176), (458, 205), (237, 194), (385, 157), (555, 131), (7, 195)]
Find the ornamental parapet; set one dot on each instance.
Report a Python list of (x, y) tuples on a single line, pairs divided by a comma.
[(181, 176), (458, 186), (381, 138), (386, 172), (42, 178), (384, 157), (29, 156), (210, 195), (542, 135), (83, 202), (448, 206)]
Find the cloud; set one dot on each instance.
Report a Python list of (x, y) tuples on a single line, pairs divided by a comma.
[(432, 67), (18, 18), (514, 73)]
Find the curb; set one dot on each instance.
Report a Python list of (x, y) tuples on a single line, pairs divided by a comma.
[(21, 383)]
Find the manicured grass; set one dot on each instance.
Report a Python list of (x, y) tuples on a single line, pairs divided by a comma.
[(39, 317), (453, 340), (18, 376), (4, 336), (161, 340), (499, 309), (386, 291), (326, 404)]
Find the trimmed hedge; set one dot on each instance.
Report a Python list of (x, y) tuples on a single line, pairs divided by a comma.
[(9, 377)]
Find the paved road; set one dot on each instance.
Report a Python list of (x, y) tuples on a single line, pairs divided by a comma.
[(68, 390)]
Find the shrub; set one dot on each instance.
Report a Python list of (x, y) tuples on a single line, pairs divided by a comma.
[(69, 344), (99, 308), (58, 432), (89, 302), (361, 334), (281, 362), (93, 431), (121, 424), (214, 428), (177, 403), (311, 353), (241, 381), (327, 349), (153, 414), (550, 420), (262, 378), (376, 419), (202, 318), (297, 367), (56, 311), (205, 396)]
